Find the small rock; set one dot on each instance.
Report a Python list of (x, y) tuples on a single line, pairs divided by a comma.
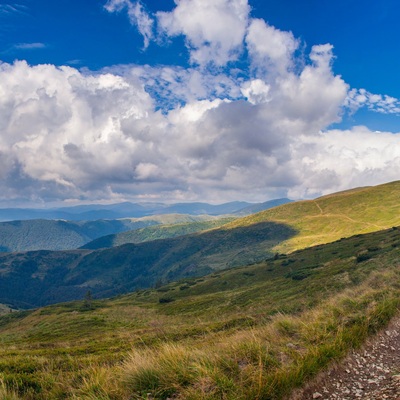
[(316, 395)]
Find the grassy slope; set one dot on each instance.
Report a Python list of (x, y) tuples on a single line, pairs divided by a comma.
[(334, 216), (43, 277), (246, 333), (155, 233)]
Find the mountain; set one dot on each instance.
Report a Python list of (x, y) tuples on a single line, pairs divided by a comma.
[(254, 208), (133, 210), (31, 279), (155, 233), (40, 278), (204, 208), (55, 235), (119, 210), (66, 235), (250, 332)]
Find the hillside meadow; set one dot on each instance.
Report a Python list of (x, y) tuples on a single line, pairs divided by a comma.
[(334, 216), (156, 232), (253, 332)]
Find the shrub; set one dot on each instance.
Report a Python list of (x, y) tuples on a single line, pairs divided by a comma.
[(165, 300), (363, 257)]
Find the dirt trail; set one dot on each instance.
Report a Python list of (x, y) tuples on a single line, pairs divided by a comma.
[(320, 209), (347, 217), (372, 373)]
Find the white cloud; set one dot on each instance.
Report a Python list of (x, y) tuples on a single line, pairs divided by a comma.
[(337, 160), (191, 133), (137, 16), (256, 91), (13, 8), (67, 135), (30, 46), (213, 29), (270, 49), (384, 104)]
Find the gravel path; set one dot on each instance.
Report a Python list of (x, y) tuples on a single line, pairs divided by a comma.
[(372, 373)]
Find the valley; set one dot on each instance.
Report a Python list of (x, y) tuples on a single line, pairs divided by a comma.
[(240, 308), (250, 332), (199, 200)]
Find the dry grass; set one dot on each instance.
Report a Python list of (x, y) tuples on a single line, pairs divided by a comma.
[(248, 333), (6, 393), (265, 362)]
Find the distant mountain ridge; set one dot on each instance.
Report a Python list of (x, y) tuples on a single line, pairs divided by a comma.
[(255, 208), (119, 210), (127, 210), (170, 231)]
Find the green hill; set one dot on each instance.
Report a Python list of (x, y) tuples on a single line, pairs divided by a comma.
[(253, 332), (66, 235), (332, 217), (31, 279), (155, 233), (38, 278)]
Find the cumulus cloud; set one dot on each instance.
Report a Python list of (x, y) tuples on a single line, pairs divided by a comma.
[(171, 132), (340, 159), (64, 128), (213, 29), (270, 49), (256, 91)]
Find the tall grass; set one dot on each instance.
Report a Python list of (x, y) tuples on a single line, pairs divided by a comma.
[(265, 362), (6, 393), (249, 333)]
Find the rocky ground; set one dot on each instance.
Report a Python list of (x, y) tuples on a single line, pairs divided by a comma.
[(372, 373)]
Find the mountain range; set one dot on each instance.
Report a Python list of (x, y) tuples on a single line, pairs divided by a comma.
[(67, 235), (132, 210), (44, 277)]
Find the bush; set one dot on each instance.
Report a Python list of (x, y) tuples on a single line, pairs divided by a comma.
[(165, 300), (363, 257)]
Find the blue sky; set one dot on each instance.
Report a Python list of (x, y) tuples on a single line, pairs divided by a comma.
[(196, 100), (364, 34)]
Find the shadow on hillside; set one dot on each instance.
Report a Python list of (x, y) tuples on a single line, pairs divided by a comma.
[(242, 245), (41, 278), (255, 233)]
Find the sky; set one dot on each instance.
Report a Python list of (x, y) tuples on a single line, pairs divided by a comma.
[(196, 100)]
